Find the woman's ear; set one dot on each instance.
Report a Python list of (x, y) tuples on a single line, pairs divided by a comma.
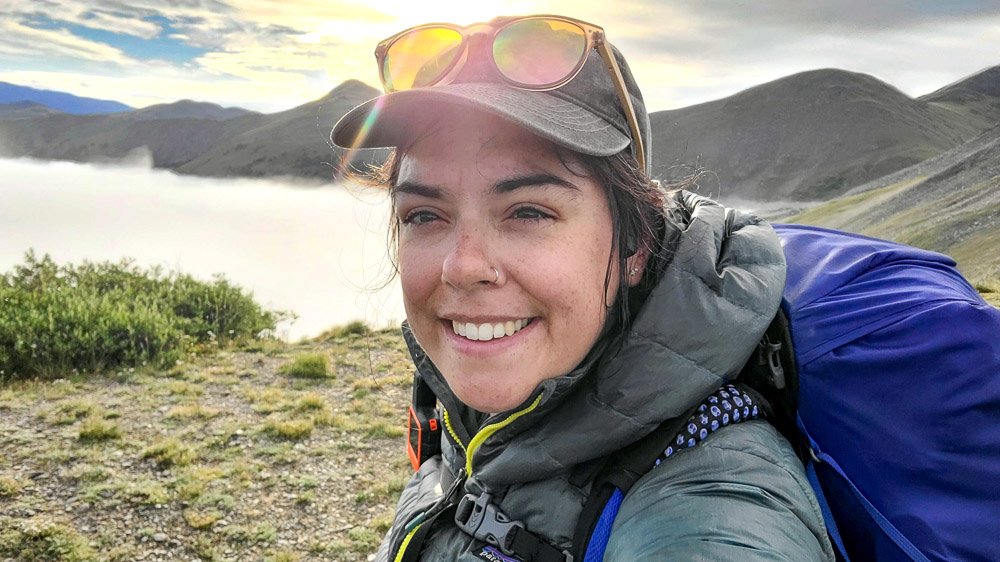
[(637, 266)]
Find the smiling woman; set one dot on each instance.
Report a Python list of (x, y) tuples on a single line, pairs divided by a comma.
[(561, 306), (481, 203)]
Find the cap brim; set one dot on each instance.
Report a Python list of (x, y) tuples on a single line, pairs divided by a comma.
[(390, 119)]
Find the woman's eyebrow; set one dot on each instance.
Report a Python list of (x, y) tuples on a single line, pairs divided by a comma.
[(517, 182), (499, 188), (419, 189)]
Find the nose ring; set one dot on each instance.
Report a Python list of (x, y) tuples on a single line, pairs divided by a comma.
[(497, 273)]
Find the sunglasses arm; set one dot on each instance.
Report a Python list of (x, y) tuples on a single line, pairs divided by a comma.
[(626, 101)]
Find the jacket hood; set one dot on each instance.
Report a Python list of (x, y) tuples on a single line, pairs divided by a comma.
[(708, 310)]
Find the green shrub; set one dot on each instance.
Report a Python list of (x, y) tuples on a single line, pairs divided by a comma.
[(93, 316), (290, 429), (356, 327), (365, 540), (169, 452), (308, 365), (96, 429), (9, 487), (43, 538)]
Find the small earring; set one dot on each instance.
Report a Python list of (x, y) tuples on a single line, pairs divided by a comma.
[(633, 271)]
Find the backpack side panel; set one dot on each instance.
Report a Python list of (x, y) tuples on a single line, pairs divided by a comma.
[(899, 382)]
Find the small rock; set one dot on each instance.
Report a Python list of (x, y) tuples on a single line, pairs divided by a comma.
[(105, 493), (83, 507), (164, 408), (160, 537), (371, 557), (35, 475)]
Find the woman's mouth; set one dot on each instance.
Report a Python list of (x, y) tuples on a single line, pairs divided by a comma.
[(490, 330)]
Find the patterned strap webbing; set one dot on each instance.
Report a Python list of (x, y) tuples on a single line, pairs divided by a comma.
[(726, 406)]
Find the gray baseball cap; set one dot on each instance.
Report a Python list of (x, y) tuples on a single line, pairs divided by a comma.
[(584, 115)]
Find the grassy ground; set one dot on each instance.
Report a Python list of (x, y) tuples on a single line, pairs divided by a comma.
[(989, 288), (287, 452)]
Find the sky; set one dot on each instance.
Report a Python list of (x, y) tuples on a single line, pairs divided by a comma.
[(272, 55)]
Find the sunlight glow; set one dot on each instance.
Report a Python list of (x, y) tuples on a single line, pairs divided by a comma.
[(462, 12)]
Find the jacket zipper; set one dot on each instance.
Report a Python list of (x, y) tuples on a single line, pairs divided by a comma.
[(485, 432)]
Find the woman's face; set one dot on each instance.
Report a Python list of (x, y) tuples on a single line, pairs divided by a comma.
[(480, 193)]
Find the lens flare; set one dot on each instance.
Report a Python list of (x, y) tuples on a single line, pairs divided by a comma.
[(360, 137)]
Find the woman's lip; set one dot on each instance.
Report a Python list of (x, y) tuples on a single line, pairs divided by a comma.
[(485, 320), (477, 348)]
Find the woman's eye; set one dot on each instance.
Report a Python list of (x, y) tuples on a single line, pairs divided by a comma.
[(530, 214), (419, 217)]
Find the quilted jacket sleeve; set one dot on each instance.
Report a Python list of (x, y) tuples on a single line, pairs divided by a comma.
[(739, 495)]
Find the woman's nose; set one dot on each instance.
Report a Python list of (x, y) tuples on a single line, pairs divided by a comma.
[(467, 264)]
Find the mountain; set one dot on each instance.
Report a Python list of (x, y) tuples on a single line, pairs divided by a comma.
[(61, 101), (974, 98), (185, 109), (291, 143), (22, 109), (809, 136), (949, 203), (196, 138)]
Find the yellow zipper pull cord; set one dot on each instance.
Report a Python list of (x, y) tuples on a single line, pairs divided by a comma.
[(489, 430), (451, 430)]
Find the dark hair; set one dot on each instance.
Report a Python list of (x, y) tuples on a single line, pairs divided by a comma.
[(638, 207)]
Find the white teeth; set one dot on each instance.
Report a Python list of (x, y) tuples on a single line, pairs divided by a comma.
[(487, 332)]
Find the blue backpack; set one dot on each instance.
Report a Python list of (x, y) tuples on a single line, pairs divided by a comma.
[(883, 369)]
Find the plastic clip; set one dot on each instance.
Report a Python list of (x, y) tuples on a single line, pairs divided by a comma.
[(770, 355), (481, 519)]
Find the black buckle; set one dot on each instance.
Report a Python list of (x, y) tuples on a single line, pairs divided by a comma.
[(481, 519), (771, 357)]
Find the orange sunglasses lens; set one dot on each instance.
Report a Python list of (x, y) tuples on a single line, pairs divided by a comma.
[(419, 58), (539, 51)]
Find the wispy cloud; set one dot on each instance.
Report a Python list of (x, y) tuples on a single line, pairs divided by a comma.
[(18, 40), (269, 54), (120, 23)]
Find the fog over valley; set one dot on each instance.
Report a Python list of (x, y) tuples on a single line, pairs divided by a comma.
[(320, 252)]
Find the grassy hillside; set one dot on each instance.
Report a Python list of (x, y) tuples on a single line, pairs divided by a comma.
[(948, 204), (811, 136), (289, 452), (975, 98)]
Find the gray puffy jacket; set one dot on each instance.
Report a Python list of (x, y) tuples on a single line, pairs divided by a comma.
[(739, 495)]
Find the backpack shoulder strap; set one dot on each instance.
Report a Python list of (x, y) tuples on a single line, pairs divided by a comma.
[(726, 406)]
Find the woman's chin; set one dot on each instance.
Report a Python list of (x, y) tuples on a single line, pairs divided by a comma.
[(491, 401)]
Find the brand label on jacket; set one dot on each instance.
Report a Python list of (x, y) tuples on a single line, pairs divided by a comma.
[(491, 554)]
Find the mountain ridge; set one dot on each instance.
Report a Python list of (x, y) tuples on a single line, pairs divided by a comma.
[(808, 136), (61, 101)]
